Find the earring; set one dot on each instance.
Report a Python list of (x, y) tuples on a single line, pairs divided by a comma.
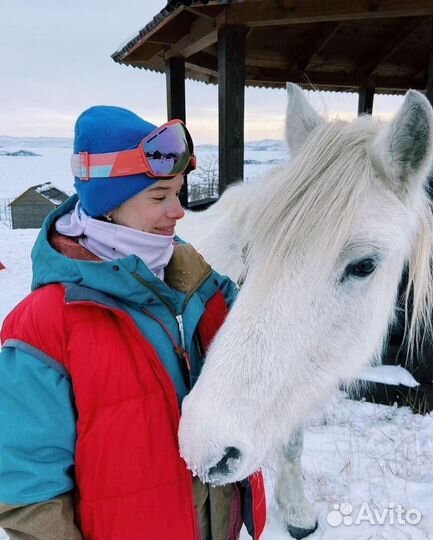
[(108, 218)]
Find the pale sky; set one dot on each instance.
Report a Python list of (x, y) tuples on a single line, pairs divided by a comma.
[(55, 61)]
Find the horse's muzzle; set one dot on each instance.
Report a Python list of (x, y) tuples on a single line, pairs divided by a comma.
[(226, 466)]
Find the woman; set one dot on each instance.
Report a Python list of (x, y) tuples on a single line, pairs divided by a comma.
[(97, 359)]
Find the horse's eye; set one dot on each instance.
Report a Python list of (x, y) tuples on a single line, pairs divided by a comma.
[(361, 269)]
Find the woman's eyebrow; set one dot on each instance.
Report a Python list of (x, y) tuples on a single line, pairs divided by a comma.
[(159, 188)]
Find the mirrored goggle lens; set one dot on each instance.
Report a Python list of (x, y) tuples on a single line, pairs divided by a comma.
[(168, 151)]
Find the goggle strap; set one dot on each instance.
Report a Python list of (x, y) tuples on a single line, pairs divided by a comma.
[(111, 164)]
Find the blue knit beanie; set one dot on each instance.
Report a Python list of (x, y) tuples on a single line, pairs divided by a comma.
[(103, 129)]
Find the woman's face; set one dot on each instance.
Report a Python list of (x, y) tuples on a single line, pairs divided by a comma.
[(154, 210)]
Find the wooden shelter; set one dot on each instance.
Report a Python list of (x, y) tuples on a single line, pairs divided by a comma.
[(367, 46), (29, 210)]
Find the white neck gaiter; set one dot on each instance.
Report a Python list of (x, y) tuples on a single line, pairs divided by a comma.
[(109, 241)]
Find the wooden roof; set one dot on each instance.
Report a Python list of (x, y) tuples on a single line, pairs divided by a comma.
[(330, 45), (46, 191)]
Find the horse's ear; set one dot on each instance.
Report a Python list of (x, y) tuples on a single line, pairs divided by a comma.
[(301, 118), (403, 150)]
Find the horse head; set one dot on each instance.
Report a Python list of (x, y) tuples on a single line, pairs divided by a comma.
[(332, 234)]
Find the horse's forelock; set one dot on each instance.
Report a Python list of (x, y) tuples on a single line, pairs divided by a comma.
[(313, 203)]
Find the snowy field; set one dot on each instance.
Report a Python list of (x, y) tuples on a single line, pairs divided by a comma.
[(52, 164), (368, 459), (355, 452)]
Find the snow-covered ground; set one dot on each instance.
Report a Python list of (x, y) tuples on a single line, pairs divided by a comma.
[(367, 459), (355, 452)]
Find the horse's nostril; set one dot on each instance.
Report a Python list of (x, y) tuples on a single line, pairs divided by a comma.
[(227, 462)]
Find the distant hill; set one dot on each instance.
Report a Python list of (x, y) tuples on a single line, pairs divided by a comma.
[(35, 142), (272, 145), (19, 153)]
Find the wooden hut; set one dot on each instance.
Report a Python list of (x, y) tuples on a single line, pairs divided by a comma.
[(29, 210), (364, 46)]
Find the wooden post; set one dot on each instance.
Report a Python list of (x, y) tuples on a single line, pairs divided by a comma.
[(175, 79), (175, 83), (429, 92), (231, 103), (365, 103)]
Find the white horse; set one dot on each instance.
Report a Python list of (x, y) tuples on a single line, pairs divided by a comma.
[(328, 239), (220, 234)]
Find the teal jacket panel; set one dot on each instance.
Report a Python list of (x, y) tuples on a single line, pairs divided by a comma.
[(37, 434)]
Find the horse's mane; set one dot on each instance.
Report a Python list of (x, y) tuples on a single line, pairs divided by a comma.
[(317, 197)]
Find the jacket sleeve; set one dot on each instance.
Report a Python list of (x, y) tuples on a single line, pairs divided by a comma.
[(37, 441), (50, 520)]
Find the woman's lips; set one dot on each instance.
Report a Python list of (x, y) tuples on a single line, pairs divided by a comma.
[(166, 231)]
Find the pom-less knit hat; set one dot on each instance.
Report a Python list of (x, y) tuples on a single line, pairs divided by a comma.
[(103, 129)]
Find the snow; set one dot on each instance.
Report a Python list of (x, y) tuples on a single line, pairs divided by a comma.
[(19, 173), (15, 279), (363, 453), (53, 163), (44, 190), (394, 375), (354, 452)]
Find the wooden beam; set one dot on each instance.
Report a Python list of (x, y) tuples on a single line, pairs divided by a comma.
[(365, 101), (147, 36), (350, 81), (271, 61), (231, 103), (199, 12), (422, 73), (286, 12), (203, 60), (204, 67), (175, 84), (202, 34), (315, 44), (391, 45), (146, 52)]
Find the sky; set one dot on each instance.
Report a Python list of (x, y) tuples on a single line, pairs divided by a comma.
[(55, 61)]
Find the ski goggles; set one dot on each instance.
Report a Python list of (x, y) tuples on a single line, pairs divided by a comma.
[(164, 153)]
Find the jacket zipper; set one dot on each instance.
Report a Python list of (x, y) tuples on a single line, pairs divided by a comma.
[(177, 316), (179, 320)]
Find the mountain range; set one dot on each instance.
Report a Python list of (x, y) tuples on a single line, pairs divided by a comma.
[(271, 145)]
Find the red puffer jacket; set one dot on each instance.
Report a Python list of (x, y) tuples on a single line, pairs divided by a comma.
[(130, 478)]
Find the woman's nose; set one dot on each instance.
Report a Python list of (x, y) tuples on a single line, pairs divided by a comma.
[(176, 211)]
